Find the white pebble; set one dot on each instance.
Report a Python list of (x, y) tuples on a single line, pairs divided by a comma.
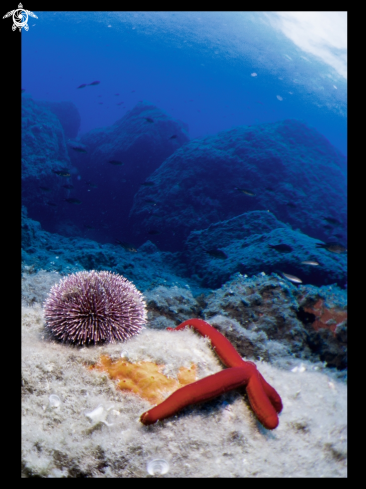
[(99, 415), (158, 466), (54, 401)]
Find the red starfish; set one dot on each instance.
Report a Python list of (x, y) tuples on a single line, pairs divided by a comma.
[(263, 398)]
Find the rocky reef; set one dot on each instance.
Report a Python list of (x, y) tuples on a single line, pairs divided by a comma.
[(284, 167)]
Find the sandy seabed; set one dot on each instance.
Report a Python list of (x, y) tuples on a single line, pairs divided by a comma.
[(220, 438)]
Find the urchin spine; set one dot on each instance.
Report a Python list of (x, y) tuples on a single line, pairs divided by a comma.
[(94, 307)]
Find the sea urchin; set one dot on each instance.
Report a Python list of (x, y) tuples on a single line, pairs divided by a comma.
[(94, 307)]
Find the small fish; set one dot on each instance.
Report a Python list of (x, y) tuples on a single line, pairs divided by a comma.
[(51, 203), (126, 246), (332, 246), (91, 184), (88, 226), (148, 119), (332, 220), (116, 94), (61, 173), (148, 184), (310, 262), (245, 191), (153, 231), (270, 189), (45, 189), (94, 83), (82, 86), (292, 278), (338, 235), (173, 137), (327, 226), (79, 149), (216, 253), (23, 90), (119, 103), (290, 204), (116, 162), (71, 200), (150, 201), (68, 186), (284, 248)]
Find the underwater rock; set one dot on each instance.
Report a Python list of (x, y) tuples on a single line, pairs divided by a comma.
[(125, 153), (257, 242), (44, 151), (284, 167), (68, 115), (269, 317)]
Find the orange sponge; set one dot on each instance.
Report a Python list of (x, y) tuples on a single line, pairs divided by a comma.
[(145, 378), (325, 317)]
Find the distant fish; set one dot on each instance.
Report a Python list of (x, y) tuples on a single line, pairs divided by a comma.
[(150, 201), (116, 162), (51, 203), (327, 226), (148, 184), (279, 97), (253, 74), (332, 246), (148, 119), (126, 246), (284, 248), (45, 189), (79, 149), (338, 235), (116, 94), (68, 186), (216, 253), (23, 89), (290, 204), (119, 103), (88, 226), (270, 189), (292, 278), (245, 191), (332, 220), (73, 201), (62, 173), (153, 231), (94, 83), (82, 86), (173, 137), (310, 262)]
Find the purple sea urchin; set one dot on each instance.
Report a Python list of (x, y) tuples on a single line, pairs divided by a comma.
[(94, 307)]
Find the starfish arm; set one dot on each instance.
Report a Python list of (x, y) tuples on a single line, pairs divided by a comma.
[(201, 390), (272, 394), (260, 403), (224, 349)]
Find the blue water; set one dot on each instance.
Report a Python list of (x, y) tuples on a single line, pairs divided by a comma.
[(195, 66), (278, 81)]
